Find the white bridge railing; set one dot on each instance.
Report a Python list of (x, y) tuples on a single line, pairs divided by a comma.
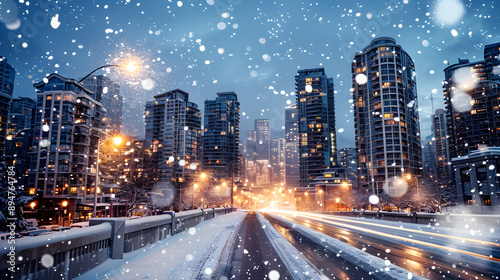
[(67, 254)]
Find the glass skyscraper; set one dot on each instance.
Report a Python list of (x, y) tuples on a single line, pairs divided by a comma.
[(316, 119), (291, 146), (221, 137), (176, 123)]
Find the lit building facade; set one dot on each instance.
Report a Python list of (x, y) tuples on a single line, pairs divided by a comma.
[(429, 157), (347, 158), (68, 126), (221, 138), (277, 162), (109, 93), (22, 111), (316, 123), (386, 114), (262, 145), (259, 154), (442, 150), (7, 78), (19, 137), (476, 181), (471, 93), (291, 147), (176, 123)]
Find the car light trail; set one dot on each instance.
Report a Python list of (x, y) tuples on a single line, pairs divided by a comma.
[(406, 239)]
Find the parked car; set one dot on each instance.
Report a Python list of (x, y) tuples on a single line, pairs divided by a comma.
[(80, 225), (31, 223), (49, 227), (5, 236), (60, 228)]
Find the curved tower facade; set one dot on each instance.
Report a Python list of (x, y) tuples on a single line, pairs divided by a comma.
[(386, 114)]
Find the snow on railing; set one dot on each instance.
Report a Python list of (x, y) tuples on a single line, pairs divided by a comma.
[(57, 255), (67, 254)]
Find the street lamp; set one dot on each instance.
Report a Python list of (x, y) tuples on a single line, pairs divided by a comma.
[(130, 66), (194, 187), (337, 200), (117, 141)]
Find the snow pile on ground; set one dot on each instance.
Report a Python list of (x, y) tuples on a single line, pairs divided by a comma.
[(298, 266), (379, 268), (191, 254)]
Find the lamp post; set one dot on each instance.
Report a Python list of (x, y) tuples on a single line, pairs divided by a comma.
[(337, 200), (194, 188), (117, 141), (131, 67), (321, 200)]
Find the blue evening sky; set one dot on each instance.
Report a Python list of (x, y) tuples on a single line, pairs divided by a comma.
[(251, 47)]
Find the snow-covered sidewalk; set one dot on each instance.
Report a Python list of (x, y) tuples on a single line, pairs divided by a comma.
[(191, 254)]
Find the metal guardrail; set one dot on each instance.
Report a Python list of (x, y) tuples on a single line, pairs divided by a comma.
[(59, 255), (449, 220), (67, 254)]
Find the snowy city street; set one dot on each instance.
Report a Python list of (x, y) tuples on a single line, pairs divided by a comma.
[(249, 140)]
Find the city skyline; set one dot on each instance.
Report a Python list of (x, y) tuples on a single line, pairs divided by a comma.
[(260, 65)]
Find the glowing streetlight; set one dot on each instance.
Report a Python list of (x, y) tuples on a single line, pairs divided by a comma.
[(130, 66), (117, 140), (64, 203), (32, 205)]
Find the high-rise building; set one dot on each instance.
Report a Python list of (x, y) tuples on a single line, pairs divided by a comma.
[(471, 92), (262, 144), (347, 159), (68, 128), (442, 150), (292, 146), (429, 157), (385, 114), (19, 137), (176, 123), (109, 93), (17, 147), (259, 154), (221, 151), (278, 162), (7, 77), (316, 119), (22, 111)]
